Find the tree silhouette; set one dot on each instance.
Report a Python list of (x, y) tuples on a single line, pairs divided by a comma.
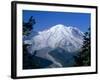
[(28, 62), (28, 26), (84, 56)]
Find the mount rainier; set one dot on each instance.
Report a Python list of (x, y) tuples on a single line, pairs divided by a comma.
[(68, 38), (57, 44)]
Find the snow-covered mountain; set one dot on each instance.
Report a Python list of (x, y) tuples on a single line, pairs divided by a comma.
[(68, 38), (56, 42)]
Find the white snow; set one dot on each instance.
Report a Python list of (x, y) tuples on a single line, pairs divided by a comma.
[(68, 38)]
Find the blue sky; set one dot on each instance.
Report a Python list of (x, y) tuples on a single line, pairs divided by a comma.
[(46, 19)]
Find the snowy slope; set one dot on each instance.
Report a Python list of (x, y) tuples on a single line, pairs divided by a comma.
[(68, 38)]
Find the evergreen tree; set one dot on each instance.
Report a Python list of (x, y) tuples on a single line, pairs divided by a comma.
[(84, 56), (28, 62), (28, 26)]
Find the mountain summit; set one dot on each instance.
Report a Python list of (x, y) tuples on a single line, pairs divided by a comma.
[(67, 38)]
